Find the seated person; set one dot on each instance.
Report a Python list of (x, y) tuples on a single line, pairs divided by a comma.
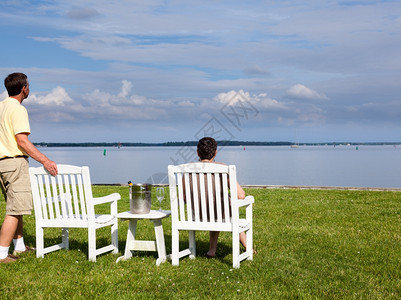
[(207, 151)]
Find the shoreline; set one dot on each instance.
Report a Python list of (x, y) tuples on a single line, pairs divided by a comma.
[(295, 187), (298, 187)]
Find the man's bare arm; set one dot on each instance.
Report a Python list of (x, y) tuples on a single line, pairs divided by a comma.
[(32, 151)]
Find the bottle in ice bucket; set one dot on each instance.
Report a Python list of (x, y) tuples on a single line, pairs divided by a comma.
[(130, 191), (140, 198)]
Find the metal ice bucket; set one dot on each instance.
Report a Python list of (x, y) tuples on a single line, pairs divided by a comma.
[(140, 198)]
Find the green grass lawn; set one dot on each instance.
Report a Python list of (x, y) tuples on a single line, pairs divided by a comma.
[(330, 244)]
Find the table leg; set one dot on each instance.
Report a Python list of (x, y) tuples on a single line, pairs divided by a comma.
[(161, 247), (130, 238), (132, 244)]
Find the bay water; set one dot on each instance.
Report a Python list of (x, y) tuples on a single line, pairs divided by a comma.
[(341, 166)]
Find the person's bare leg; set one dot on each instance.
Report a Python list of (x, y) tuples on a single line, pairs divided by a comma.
[(20, 227), (9, 230), (242, 239), (213, 237)]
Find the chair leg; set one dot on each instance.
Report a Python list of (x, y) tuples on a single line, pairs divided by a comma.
[(114, 236), (249, 243), (39, 242), (236, 249), (65, 238), (92, 243), (249, 233), (175, 247), (192, 243)]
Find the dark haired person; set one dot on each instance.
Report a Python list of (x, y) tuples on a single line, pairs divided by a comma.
[(207, 151), (15, 148)]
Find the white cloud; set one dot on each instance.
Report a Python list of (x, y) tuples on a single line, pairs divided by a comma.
[(186, 103), (125, 106), (59, 116), (58, 96), (302, 92), (138, 100), (262, 99), (3, 95), (98, 98), (125, 89), (232, 97), (270, 103)]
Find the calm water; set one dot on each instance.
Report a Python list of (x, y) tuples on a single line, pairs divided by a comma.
[(344, 166)]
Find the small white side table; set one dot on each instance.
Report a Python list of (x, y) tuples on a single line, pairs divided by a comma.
[(132, 244)]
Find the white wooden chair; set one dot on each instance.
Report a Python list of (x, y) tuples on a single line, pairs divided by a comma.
[(212, 194), (65, 201)]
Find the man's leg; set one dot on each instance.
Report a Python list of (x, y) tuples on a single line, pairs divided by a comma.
[(7, 232), (11, 225), (18, 240), (20, 227)]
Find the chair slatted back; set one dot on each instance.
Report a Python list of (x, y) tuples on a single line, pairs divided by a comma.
[(200, 193), (62, 196)]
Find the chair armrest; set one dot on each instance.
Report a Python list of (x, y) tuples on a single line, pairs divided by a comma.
[(248, 200), (106, 199)]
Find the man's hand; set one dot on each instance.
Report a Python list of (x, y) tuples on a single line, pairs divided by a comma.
[(51, 167), (30, 149)]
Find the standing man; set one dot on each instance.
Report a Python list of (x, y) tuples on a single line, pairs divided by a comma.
[(15, 148)]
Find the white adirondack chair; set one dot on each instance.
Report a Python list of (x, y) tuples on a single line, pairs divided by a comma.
[(212, 194), (65, 201)]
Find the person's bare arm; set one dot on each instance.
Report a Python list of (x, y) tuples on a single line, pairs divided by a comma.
[(32, 151), (240, 192)]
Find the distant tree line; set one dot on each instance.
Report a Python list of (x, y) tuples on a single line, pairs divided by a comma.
[(194, 143), (166, 144)]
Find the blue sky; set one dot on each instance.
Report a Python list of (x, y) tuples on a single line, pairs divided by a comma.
[(156, 71)]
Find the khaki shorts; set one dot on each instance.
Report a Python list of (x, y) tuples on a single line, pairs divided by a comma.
[(16, 186)]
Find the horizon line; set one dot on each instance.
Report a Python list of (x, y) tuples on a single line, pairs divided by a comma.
[(194, 143)]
